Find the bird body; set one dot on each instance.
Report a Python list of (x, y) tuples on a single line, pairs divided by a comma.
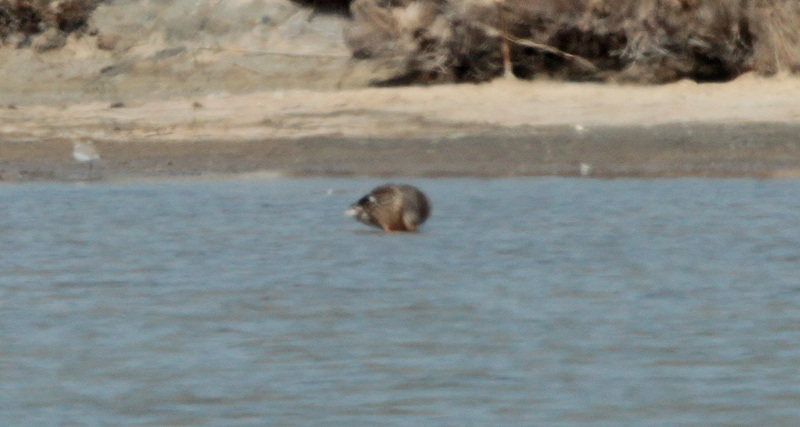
[(392, 207), (84, 152)]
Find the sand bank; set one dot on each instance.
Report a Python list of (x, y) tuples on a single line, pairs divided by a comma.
[(749, 127)]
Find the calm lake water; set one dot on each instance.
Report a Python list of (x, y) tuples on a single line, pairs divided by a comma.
[(525, 302)]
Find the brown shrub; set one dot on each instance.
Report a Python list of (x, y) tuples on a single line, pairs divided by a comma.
[(73, 15), (19, 16), (28, 17), (646, 41), (326, 6)]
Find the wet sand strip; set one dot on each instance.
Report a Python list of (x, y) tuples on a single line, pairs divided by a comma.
[(757, 150)]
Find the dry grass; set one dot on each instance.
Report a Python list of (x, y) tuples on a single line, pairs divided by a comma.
[(777, 47), (647, 41)]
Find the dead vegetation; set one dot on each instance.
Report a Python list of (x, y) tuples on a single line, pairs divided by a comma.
[(645, 41), (21, 19), (326, 6)]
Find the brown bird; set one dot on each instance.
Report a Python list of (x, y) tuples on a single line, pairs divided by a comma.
[(392, 207)]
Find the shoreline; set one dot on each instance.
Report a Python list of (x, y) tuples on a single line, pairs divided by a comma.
[(746, 128), (749, 150), (243, 87)]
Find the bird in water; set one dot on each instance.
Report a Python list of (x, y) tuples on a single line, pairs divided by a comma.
[(392, 207)]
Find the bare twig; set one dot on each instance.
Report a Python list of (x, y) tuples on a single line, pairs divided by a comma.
[(505, 50), (540, 46), (547, 48)]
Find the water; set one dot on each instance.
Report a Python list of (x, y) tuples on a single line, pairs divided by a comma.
[(558, 302)]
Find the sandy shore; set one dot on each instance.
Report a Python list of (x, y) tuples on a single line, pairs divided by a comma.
[(749, 128)]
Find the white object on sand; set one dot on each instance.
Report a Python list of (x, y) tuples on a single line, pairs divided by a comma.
[(84, 152)]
